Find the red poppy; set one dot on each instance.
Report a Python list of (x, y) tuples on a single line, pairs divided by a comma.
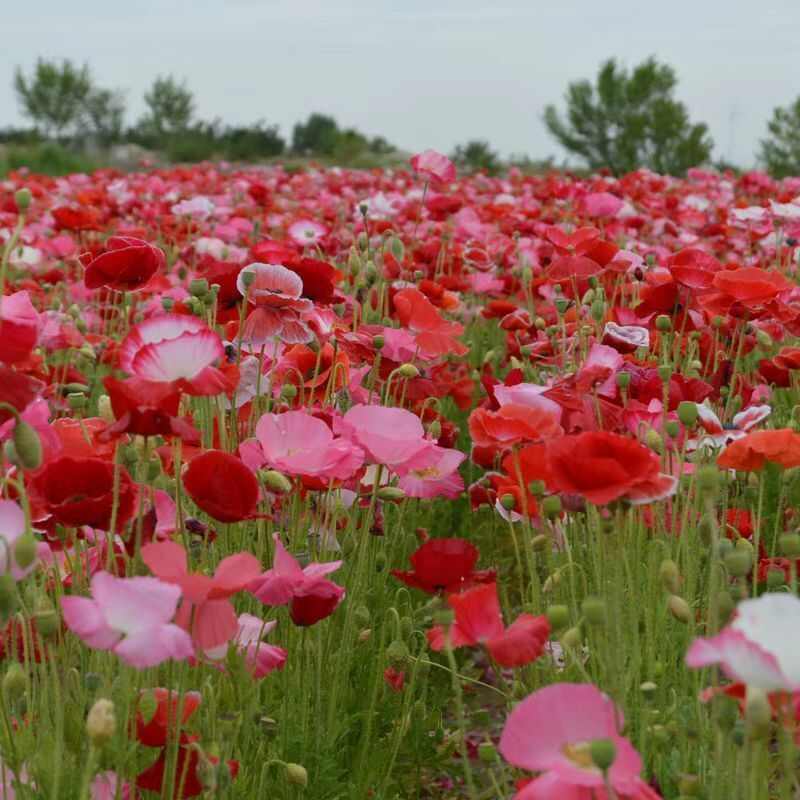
[(694, 268), (512, 424), (752, 451), (434, 335), (479, 621), (222, 486), (80, 491), (444, 565), (314, 601), (17, 389), (319, 278), (751, 284), (603, 467), (127, 264), (147, 408)]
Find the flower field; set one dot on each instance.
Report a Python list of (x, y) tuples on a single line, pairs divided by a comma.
[(399, 484)]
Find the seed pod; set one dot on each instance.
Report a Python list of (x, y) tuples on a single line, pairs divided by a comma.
[(551, 506), (603, 753)]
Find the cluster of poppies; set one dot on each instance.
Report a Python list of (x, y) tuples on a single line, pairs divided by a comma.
[(217, 384)]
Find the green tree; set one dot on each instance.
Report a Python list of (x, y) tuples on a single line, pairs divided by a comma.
[(318, 135), (104, 115), (170, 107), (477, 155), (629, 120), (780, 151), (53, 96)]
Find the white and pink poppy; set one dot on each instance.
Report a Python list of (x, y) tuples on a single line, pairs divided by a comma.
[(306, 231), (432, 164), (713, 433)]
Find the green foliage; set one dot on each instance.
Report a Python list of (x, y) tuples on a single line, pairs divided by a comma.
[(53, 97), (629, 120), (170, 107), (318, 135), (477, 155), (47, 158), (780, 151), (104, 115)]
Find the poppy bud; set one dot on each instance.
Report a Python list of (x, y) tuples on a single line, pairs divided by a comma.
[(487, 752), (76, 401), (648, 689), (104, 409), (101, 722), (679, 608), (167, 303), (558, 617), (297, 774), (738, 563), (789, 545), (764, 339), (25, 550), (623, 380), (551, 506), (397, 248), (408, 371), (540, 542), (47, 622), (562, 304), (665, 373), (572, 638), (378, 341), (27, 445), (380, 561), (92, 681), (669, 574), (654, 441), (247, 278), (757, 713), (390, 493), (539, 323), (362, 616), (275, 481), (364, 635), (672, 428), (198, 287), (508, 501), (724, 605), (22, 198), (663, 323), (603, 752), (397, 653), (775, 578), (8, 595), (687, 413), (288, 391), (594, 609), (15, 681)]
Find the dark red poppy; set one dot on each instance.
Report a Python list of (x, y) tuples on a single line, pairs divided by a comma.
[(444, 565), (222, 486), (126, 264), (80, 491), (17, 389), (147, 408), (314, 602), (319, 278)]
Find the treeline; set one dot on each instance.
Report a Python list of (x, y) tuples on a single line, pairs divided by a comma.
[(624, 120)]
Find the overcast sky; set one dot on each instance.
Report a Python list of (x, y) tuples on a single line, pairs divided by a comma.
[(422, 73)]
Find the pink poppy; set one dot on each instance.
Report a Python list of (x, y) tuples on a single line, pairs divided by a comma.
[(390, 436), (759, 647), (432, 164), (300, 444), (12, 527), (131, 617), (601, 204), (307, 589), (105, 786), (19, 327), (576, 714), (177, 349), (261, 658), (275, 292), (206, 610), (306, 232), (599, 371), (433, 472)]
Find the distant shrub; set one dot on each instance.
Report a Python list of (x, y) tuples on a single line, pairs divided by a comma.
[(47, 159)]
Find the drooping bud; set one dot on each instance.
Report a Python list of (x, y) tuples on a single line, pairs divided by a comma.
[(275, 481), (297, 774), (679, 608), (408, 371), (670, 575), (101, 722)]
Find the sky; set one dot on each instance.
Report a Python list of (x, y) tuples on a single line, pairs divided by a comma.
[(422, 73)]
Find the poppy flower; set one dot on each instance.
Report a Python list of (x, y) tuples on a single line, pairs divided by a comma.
[(222, 486), (751, 452), (759, 647), (19, 327), (306, 232), (432, 164), (434, 335), (276, 292), (179, 350), (750, 284), (479, 621), (126, 264), (80, 491), (310, 595), (577, 715), (444, 566), (205, 610), (603, 467), (389, 436), (131, 617), (147, 408), (512, 424)]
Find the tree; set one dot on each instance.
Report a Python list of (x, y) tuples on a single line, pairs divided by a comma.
[(53, 96), (477, 155), (170, 107), (319, 135), (104, 115), (780, 151), (630, 120)]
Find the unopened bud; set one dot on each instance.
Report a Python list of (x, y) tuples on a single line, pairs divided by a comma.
[(679, 608), (663, 323), (390, 493), (687, 413), (789, 545), (558, 617), (408, 371), (623, 380), (25, 550), (27, 445), (101, 722), (15, 681), (551, 506), (22, 198), (297, 774), (594, 609), (670, 575), (275, 481)]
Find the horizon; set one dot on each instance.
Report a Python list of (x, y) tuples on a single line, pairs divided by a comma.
[(421, 76)]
